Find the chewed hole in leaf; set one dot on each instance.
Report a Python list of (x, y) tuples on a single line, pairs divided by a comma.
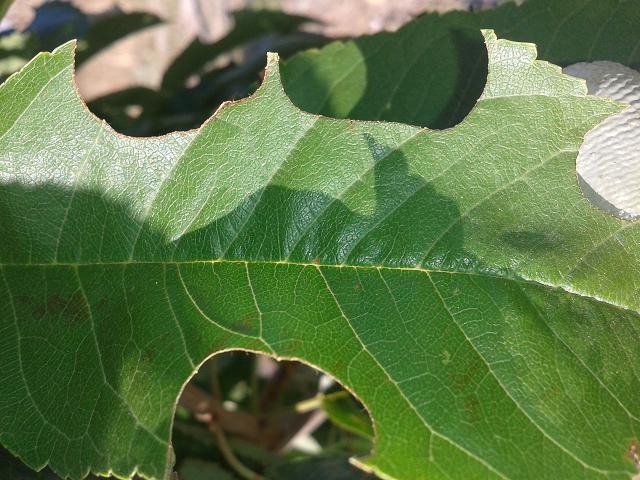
[(609, 159), (452, 65), (249, 409)]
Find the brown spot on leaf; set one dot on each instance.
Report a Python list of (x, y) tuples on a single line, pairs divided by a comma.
[(463, 381), (53, 305), (24, 300), (71, 310), (293, 347), (634, 453), (148, 355), (102, 303), (472, 408), (339, 366), (246, 323), (76, 310)]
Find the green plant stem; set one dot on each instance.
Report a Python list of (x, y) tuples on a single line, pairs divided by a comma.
[(230, 457), (218, 432), (316, 402)]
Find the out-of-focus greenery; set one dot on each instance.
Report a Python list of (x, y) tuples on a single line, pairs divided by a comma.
[(58, 22), (236, 378), (198, 80), (205, 75)]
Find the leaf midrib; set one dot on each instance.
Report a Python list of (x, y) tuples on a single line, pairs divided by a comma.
[(318, 267), (421, 269)]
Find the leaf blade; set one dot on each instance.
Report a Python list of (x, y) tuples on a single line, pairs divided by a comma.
[(166, 250)]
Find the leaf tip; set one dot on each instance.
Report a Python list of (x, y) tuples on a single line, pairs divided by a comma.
[(67, 49), (272, 70), (272, 59), (489, 35), (272, 81)]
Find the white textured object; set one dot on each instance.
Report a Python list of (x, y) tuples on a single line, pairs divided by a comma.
[(609, 160)]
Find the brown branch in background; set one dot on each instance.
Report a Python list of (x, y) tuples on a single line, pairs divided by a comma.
[(279, 381), (271, 432), (279, 429), (205, 408), (210, 411)]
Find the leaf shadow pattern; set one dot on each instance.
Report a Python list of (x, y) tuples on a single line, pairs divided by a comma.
[(431, 71), (281, 224), (100, 345), (442, 352), (97, 343)]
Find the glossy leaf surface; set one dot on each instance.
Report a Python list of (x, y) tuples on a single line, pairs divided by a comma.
[(456, 281)]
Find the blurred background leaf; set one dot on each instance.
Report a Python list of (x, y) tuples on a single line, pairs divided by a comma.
[(332, 468), (204, 75), (197, 469), (392, 77), (347, 414), (4, 6), (58, 22)]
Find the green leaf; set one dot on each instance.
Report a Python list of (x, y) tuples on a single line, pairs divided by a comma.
[(456, 281), (347, 414), (317, 469), (431, 71), (196, 469)]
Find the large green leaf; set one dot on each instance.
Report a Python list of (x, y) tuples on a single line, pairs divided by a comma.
[(456, 281), (432, 71), (97, 32)]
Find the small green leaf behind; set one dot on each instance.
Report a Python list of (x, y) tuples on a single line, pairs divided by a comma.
[(196, 469), (393, 76)]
